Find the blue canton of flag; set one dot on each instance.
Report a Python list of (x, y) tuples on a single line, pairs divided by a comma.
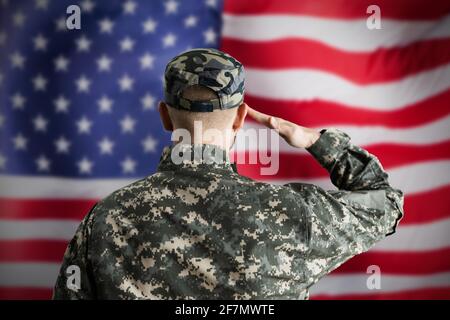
[(83, 103)]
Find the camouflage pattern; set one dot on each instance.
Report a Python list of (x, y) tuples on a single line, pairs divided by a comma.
[(211, 68), (199, 230)]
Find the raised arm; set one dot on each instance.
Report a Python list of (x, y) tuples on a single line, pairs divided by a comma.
[(343, 222)]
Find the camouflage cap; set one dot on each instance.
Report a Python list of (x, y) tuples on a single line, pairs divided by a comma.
[(207, 67)]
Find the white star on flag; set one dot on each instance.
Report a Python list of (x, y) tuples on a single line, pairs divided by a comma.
[(171, 6), (42, 4), (128, 165), (127, 124), (126, 44), (83, 44), (106, 25), (19, 19), (40, 123), (39, 83), (149, 144), (104, 63), (83, 84), (61, 63), (87, 6), (126, 83), (60, 24), (190, 21), (18, 101), (129, 7), (106, 146), (43, 163), (147, 61), (84, 125), (40, 43), (61, 104), (85, 166), (169, 40), (17, 60), (148, 102), (62, 145), (149, 25), (105, 104), (20, 142), (210, 36)]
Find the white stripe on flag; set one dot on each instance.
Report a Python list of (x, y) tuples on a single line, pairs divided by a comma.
[(427, 176), (65, 188), (410, 179), (38, 229), (348, 35), (364, 136), (44, 275), (305, 85), (357, 283), (418, 237), (410, 238), (41, 275)]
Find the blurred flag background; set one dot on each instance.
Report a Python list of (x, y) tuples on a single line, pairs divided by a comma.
[(79, 119)]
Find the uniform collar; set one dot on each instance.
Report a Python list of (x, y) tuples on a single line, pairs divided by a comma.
[(195, 156)]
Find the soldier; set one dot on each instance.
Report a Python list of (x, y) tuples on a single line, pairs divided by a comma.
[(196, 229)]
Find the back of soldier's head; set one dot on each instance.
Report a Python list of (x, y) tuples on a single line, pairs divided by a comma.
[(204, 85)]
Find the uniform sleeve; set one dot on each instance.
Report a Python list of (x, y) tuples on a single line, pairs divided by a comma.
[(348, 221), (75, 280)]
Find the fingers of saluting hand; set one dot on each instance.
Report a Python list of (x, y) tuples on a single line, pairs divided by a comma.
[(265, 119), (295, 135)]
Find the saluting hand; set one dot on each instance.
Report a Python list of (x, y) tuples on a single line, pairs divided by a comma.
[(297, 136)]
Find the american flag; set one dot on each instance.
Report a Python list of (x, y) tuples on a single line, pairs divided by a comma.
[(78, 116)]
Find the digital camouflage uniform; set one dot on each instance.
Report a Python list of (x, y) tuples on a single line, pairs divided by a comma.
[(199, 230)]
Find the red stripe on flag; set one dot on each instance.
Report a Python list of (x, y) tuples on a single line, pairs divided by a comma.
[(327, 113), (395, 155), (416, 207), (23, 293), (390, 155), (45, 208), (32, 250), (362, 68), (418, 210), (407, 263), (344, 9), (420, 294), (413, 263)]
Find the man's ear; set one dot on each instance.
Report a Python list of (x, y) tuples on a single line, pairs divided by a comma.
[(165, 117), (240, 117)]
